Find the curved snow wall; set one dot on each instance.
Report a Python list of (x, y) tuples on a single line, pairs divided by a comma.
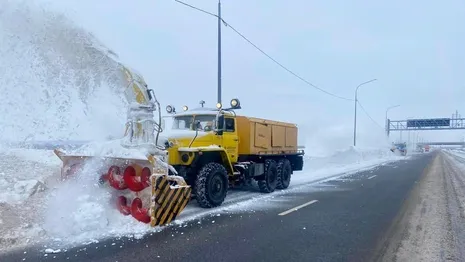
[(57, 81)]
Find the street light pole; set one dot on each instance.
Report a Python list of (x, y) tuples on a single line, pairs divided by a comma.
[(219, 51), (355, 114), (386, 118)]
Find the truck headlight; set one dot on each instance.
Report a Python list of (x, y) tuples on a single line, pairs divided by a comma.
[(169, 109), (185, 108), (218, 105), (235, 103), (184, 158)]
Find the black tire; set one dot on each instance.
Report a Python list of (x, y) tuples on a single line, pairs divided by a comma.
[(270, 179), (284, 174), (211, 185)]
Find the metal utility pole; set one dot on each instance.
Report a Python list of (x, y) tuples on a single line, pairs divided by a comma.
[(386, 118), (355, 115), (219, 51)]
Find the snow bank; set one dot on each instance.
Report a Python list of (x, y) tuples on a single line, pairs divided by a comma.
[(344, 161), (350, 156), (458, 155), (25, 176), (24, 173), (458, 151)]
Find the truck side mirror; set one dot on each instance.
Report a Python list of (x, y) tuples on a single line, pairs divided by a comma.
[(220, 125), (220, 122)]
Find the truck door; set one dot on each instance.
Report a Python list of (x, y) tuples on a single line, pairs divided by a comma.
[(230, 138)]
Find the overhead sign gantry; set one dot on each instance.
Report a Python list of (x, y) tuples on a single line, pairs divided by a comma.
[(425, 124)]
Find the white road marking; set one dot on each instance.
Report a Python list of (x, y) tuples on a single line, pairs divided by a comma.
[(371, 177), (297, 208)]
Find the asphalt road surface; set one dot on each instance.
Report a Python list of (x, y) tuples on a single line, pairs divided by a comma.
[(431, 224), (355, 218)]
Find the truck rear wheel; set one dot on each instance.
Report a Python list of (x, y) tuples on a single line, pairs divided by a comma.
[(211, 185), (284, 174), (270, 180)]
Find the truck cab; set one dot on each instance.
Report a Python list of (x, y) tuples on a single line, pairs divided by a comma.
[(202, 130), (400, 147)]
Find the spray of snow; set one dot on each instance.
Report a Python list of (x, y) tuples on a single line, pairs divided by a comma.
[(111, 148), (323, 138), (81, 210), (57, 81)]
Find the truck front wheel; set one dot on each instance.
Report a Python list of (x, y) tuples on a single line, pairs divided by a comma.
[(211, 185), (270, 179)]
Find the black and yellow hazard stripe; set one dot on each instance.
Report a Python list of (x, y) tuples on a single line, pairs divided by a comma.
[(169, 201)]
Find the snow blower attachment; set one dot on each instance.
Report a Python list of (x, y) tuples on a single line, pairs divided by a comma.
[(138, 176), (168, 195)]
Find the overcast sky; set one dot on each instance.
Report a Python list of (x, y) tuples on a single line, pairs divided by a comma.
[(414, 48)]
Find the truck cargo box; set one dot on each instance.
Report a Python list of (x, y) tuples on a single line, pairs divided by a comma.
[(261, 136)]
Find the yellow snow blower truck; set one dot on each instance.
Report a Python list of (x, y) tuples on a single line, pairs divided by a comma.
[(154, 173), (214, 149)]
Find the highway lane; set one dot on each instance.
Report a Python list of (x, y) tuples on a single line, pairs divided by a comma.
[(431, 224), (342, 221)]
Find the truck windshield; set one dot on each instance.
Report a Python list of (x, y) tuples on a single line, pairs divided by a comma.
[(207, 122)]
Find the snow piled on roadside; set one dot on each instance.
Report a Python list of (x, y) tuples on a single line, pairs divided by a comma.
[(25, 177), (24, 172), (458, 156), (346, 161), (458, 152), (351, 156)]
